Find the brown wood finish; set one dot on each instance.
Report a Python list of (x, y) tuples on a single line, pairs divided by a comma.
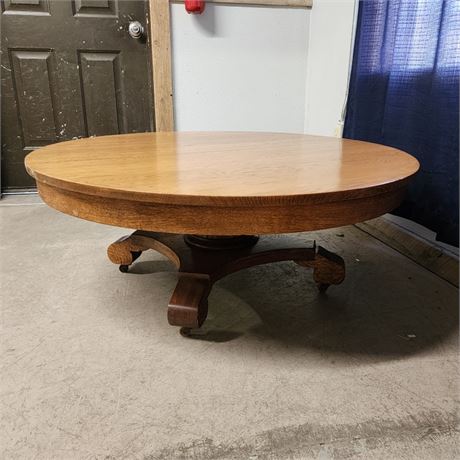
[(160, 47), (218, 185), (200, 268), (328, 268), (221, 183), (222, 168), (220, 220)]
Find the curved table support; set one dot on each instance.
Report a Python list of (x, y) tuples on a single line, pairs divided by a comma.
[(200, 267), (188, 306), (328, 268)]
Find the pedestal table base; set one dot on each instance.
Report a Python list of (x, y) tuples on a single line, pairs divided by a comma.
[(202, 260)]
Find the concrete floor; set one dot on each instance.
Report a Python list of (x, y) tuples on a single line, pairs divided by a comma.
[(92, 370)]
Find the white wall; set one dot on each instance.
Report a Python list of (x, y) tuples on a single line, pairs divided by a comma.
[(331, 30), (261, 68), (240, 68)]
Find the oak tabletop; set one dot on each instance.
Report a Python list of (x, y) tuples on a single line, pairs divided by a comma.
[(221, 168)]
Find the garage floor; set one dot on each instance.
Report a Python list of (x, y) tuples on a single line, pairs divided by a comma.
[(91, 370)]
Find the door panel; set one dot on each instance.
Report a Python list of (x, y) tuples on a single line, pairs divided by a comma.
[(31, 71), (26, 6), (70, 69), (94, 8), (102, 95)]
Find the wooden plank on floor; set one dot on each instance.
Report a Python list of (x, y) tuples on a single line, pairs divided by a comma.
[(426, 253)]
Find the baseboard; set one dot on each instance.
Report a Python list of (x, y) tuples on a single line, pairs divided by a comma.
[(19, 191), (426, 253)]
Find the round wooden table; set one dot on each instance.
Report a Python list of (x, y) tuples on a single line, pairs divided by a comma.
[(222, 190)]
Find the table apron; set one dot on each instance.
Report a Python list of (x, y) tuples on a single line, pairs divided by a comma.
[(219, 220)]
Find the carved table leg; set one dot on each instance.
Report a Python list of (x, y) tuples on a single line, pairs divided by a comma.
[(127, 249), (328, 268), (124, 252), (201, 261), (188, 306)]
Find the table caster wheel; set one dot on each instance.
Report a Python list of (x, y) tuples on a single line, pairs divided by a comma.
[(124, 268), (322, 287), (192, 332), (185, 331)]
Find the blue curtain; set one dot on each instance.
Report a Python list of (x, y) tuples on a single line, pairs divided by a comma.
[(404, 92)]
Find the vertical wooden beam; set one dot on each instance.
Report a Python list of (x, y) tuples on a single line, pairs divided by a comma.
[(160, 46)]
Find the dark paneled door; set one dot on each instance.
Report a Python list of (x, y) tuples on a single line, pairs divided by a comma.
[(70, 69)]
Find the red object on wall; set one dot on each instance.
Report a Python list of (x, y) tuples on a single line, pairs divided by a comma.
[(194, 6)]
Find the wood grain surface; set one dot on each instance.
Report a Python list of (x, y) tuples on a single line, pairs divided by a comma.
[(160, 47), (221, 168), (221, 183)]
